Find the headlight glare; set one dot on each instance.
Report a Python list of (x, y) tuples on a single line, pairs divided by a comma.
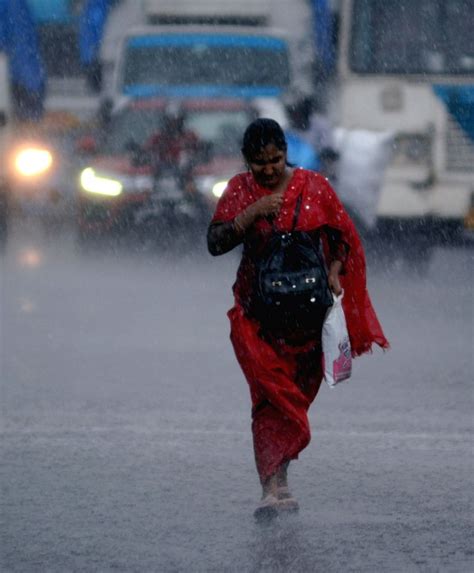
[(33, 161), (219, 188), (92, 183)]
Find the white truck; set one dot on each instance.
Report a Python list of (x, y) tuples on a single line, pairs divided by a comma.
[(216, 47), (294, 18), (407, 67)]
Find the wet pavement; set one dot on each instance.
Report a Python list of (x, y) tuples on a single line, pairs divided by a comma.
[(126, 440)]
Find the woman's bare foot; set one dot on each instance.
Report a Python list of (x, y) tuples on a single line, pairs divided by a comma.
[(267, 508), (286, 501)]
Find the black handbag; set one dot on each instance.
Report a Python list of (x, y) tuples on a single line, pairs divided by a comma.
[(291, 291)]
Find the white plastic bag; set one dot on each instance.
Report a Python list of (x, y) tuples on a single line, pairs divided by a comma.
[(337, 359), (364, 156)]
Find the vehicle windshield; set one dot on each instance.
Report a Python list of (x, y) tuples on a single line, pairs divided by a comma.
[(223, 129), (412, 37), (251, 63), (131, 125)]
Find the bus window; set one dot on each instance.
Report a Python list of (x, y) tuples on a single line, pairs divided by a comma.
[(412, 37)]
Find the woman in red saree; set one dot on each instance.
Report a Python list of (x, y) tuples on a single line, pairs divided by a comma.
[(284, 374)]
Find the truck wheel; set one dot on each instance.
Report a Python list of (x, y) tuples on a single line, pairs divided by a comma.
[(417, 255)]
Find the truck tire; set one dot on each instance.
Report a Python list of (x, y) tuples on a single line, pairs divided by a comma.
[(417, 255)]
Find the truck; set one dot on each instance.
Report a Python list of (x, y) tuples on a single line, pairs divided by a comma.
[(200, 60), (407, 68), (295, 18), (35, 162), (242, 49), (70, 34)]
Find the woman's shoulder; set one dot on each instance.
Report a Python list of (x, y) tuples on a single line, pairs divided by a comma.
[(312, 180), (239, 179), (236, 196), (309, 174), (238, 183)]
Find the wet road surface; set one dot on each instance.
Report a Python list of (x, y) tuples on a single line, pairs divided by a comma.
[(126, 440)]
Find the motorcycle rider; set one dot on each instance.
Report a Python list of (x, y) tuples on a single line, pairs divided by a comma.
[(175, 150), (174, 146)]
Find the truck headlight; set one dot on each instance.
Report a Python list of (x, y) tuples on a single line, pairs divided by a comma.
[(31, 161), (219, 188), (93, 183), (412, 149), (211, 186)]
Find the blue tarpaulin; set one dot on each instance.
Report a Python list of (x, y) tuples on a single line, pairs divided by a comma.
[(459, 101), (323, 34), (91, 28), (51, 11), (89, 22), (19, 40)]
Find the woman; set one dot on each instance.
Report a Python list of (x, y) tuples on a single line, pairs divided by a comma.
[(284, 372)]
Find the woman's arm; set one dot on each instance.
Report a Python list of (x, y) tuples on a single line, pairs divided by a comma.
[(222, 237), (333, 277), (338, 251)]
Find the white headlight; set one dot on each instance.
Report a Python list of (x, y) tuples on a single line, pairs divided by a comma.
[(93, 183), (32, 161), (413, 149), (219, 188)]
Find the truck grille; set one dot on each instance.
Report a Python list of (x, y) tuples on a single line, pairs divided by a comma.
[(459, 149)]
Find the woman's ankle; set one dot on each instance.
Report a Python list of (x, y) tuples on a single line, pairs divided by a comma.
[(270, 486), (282, 475)]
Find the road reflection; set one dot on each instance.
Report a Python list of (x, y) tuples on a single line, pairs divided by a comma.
[(31, 257), (282, 546)]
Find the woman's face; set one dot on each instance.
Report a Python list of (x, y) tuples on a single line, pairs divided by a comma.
[(268, 166)]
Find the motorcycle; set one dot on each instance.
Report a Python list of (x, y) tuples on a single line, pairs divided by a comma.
[(176, 213)]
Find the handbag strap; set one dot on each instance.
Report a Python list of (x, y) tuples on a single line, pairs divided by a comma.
[(296, 214)]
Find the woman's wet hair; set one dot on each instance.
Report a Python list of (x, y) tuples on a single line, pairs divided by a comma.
[(259, 134)]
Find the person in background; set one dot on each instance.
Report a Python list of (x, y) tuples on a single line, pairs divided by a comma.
[(174, 145), (284, 372), (301, 153), (300, 150), (311, 124)]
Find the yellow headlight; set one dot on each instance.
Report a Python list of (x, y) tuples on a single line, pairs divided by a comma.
[(219, 188), (32, 161), (93, 183)]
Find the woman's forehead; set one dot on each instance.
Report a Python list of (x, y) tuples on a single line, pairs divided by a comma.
[(269, 151)]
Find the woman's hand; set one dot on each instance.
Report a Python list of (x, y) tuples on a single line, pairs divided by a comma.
[(268, 204), (333, 277), (263, 207)]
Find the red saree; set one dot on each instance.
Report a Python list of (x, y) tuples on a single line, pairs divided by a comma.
[(284, 380)]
